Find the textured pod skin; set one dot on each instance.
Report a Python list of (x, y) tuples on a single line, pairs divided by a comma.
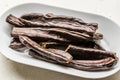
[(81, 52), (52, 34), (64, 23), (90, 65), (61, 40), (89, 53), (58, 56)]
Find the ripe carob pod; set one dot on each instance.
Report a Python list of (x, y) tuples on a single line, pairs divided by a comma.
[(81, 52), (14, 21), (36, 34), (52, 17), (55, 33), (51, 34), (17, 45), (48, 23), (90, 65), (59, 56), (73, 34), (89, 53), (93, 65)]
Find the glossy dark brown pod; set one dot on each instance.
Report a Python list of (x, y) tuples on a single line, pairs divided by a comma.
[(36, 34), (17, 45), (46, 23), (89, 53), (94, 65), (82, 51), (89, 65), (59, 56), (52, 34), (14, 21), (53, 17)]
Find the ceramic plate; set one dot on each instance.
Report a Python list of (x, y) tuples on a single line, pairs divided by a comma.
[(107, 27)]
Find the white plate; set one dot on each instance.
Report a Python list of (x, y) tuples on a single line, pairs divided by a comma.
[(109, 28)]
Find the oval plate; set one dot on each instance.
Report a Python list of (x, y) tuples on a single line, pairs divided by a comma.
[(107, 27)]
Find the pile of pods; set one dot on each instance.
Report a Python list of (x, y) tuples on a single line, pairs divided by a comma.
[(62, 40)]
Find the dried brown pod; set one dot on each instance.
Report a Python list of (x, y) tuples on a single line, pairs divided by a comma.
[(59, 56), (89, 65), (52, 22)]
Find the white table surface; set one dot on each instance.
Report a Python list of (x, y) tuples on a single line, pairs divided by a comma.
[(10, 70)]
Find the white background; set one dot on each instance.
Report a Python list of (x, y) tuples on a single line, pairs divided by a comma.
[(10, 70)]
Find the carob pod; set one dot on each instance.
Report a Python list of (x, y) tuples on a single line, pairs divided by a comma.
[(89, 65), (51, 34), (36, 34), (89, 53), (43, 22), (14, 21), (73, 34), (94, 65), (59, 56), (54, 18), (81, 52), (17, 45)]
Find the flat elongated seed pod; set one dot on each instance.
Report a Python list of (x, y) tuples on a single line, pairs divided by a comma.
[(14, 21), (17, 45), (53, 33), (92, 53), (90, 65), (94, 65), (59, 56), (81, 52), (20, 22), (38, 34), (53, 17)]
